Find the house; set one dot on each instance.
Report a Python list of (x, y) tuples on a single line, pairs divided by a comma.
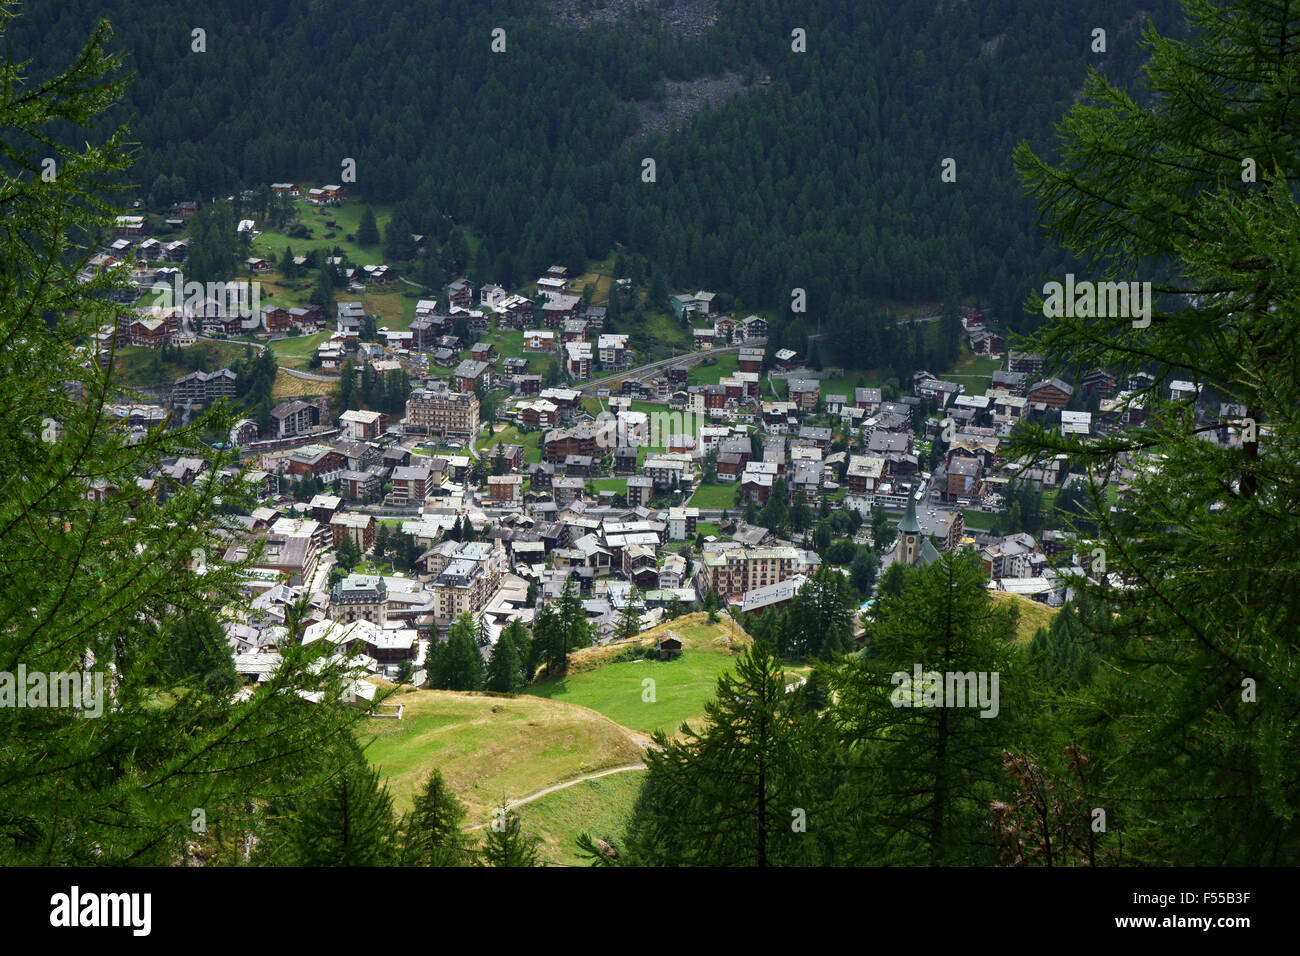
[(578, 359), (668, 644), (559, 310), (469, 373), (1052, 392), (363, 425), (460, 293), (539, 340), (491, 296), (804, 392), (505, 489), (613, 351), (751, 360), (754, 327), (701, 339), (788, 359), (640, 491)]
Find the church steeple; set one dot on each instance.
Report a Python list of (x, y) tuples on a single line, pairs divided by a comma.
[(909, 524), (908, 547)]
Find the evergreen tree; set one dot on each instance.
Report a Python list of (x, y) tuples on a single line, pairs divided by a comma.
[(1195, 732), (506, 844), (457, 662), (929, 764), (348, 821), (367, 230), (629, 619), (431, 832), (93, 586), (504, 669), (748, 789)]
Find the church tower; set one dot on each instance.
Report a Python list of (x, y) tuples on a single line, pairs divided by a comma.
[(908, 547)]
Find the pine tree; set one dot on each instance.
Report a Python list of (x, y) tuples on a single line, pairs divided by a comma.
[(95, 587), (506, 844), (629, 619), (927, 773), (367, 230), (431, 832), (1195, 733), (348, 821), (457, 663), (749, 789), (504, 669)]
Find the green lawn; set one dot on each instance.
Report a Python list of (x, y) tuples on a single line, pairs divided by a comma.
[(713, 369), (297, 350), (600, 807), (715, 496), (347, 215), (511, 435), (616, 485), (487, 747), (139, 366), (681, 686)]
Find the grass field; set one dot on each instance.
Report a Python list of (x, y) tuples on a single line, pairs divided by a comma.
[(527, 745), (715, 496), (296, 350), (510, 435), (286, 385), (681, 686), (347, 215), (713, 369), (1032, 614), (599, 807), (135, 365)]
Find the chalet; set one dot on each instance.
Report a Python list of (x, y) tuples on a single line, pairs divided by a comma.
[(1099, 381), (285, 189), (516, 312), (751, 360), (754, 327), (804, 392), (578, 359), (573, 330), (539, 340), (460, 293), (1052, 392), (701, 339), (559, 310), (469, 373), (491, 296), (276, 318), (184, 210)]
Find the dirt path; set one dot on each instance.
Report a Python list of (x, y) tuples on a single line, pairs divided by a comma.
[(515, 804)]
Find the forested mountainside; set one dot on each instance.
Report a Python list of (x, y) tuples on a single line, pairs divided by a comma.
[(826, 178)]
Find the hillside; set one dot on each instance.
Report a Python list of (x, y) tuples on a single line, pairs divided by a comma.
[(488, 747), (611, 679), (826, 178)]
